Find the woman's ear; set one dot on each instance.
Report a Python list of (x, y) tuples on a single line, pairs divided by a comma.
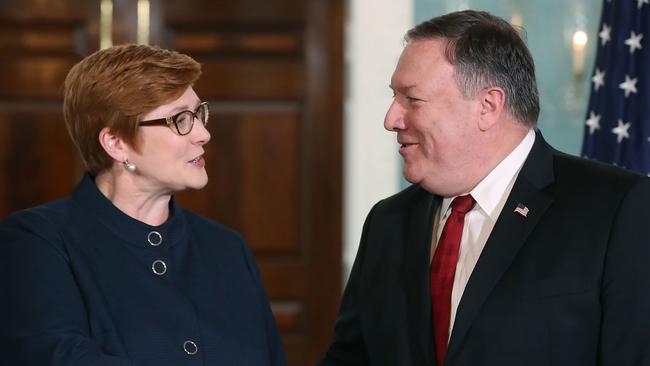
[(492, 102), (113, 145)]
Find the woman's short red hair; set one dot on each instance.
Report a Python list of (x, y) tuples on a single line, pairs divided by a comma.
[(114, 88)]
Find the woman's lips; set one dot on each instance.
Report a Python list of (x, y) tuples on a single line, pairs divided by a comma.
[(198, 161)]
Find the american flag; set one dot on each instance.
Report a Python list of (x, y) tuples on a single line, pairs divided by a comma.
[(521, 209), (617, 126)]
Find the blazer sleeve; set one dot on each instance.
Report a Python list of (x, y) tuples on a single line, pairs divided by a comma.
[(348, 347), (625, 296), (43, 317), (275, 347)]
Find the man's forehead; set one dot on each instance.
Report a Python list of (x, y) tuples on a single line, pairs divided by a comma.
[(419, 58), (431, 46), (408, 74)]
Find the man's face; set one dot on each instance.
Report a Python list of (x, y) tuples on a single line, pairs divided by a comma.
[(437, 128)]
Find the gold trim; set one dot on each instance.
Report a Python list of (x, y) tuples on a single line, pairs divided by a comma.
[(143, 21), (106, 24)]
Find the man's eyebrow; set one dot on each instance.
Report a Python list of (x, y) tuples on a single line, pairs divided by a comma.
[(401, 87)]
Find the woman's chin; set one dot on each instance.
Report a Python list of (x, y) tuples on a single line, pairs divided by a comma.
[(199, 183)]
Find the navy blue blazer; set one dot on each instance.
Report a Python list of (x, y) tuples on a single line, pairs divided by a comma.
[(82, 283)]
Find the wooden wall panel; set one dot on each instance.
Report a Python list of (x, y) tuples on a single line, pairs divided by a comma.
[(272, 72), (284, 279), (37, 161), (244, 79), (289, 316), (234, 13), (44, 11), (37, 39), (273, 42), (253, 165), (34, 77), (271, 148), (39, 42)]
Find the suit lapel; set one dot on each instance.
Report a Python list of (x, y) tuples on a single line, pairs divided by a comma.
[(507, 237), (414, 270)]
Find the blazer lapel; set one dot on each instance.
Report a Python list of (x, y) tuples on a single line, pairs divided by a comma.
[(507, 237), (414, 270)]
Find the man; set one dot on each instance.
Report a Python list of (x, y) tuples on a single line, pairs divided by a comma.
[(504, 251)]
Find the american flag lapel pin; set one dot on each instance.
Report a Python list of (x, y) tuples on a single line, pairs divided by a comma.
[(521, 209)]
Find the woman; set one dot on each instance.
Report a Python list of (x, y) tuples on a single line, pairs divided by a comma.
[(117, 274)]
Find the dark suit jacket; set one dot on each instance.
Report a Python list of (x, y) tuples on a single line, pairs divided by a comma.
[(567, 285), (77, 288)]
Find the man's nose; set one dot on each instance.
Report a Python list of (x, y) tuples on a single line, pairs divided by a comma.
[(394, 120)]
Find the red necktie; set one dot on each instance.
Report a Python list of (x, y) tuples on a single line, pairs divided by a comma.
[(443, 269)]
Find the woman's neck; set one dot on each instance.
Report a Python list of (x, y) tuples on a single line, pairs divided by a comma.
[(131, 197)]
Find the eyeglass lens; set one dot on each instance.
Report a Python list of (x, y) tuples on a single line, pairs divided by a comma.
[(185, 120)]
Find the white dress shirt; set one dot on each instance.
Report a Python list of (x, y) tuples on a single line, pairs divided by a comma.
[(490, 196)]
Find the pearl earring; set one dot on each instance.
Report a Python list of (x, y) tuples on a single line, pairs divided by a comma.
[(129, 166)]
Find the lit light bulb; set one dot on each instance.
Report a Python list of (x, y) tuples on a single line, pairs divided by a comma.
[(580, 39)]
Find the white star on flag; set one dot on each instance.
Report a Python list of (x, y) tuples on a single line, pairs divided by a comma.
[(605, 34), (593, 122), (634, 41), (616, 123), (629, 85), (598, 79), (621, 131)]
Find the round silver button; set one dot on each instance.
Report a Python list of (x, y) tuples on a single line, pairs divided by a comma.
[(154, 238), (190, 348), (159, 267)]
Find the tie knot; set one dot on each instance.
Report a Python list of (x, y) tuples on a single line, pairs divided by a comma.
[(462, 204)]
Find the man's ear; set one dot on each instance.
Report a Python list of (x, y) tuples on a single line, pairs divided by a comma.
[(492, 101), (113, 145)]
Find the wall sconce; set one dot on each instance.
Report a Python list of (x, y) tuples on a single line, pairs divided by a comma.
[(579, 44)]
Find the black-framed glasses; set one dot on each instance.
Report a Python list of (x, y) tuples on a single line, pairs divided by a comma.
[(183, 121)]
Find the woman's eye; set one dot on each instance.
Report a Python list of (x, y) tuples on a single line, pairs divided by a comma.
[(184, 120)]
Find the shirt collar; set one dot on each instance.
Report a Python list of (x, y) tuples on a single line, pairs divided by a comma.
[(490, 191)]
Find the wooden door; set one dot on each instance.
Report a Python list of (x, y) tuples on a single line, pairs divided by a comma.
[(272, 72)]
